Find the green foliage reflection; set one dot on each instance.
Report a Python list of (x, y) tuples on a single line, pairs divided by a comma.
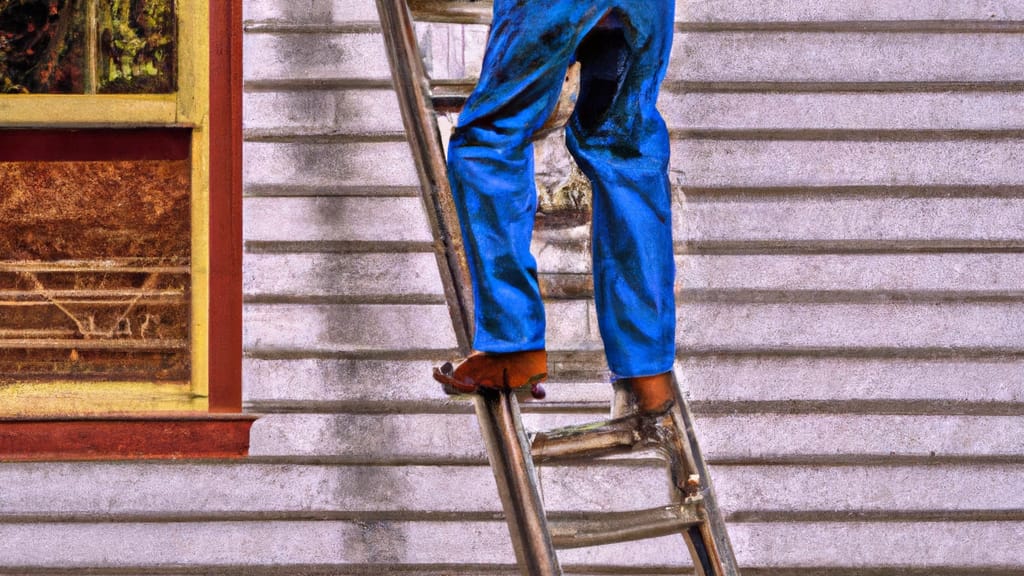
[(44, 46), (136, 46)]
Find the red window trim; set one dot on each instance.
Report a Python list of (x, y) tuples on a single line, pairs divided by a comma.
[(113, 144), (226, 206), (126, 438)]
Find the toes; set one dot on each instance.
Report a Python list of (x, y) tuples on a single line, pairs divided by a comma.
[(452, 382), (447, 369), (441, 376)]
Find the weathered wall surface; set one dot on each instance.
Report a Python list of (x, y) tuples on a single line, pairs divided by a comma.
[(849, 224)]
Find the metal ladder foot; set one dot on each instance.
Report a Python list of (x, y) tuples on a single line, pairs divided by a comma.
[(694, 513)]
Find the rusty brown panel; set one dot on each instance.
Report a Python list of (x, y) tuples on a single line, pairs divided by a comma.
[(113, 439), (90, 210), (94, 269), (91, 365)]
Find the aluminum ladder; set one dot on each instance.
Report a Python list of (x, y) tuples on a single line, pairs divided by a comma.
[(693, 511)]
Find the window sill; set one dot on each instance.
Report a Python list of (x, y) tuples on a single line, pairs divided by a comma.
[(107, 110), (75, 400), (135, 437)]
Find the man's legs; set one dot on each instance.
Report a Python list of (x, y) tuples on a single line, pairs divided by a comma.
[(621, 143)]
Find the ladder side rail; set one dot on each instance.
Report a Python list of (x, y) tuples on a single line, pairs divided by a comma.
[(498, 413), (514, 472), (713, 531), (411, 84)]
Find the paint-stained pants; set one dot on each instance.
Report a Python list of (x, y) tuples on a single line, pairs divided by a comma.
[(619, 140)]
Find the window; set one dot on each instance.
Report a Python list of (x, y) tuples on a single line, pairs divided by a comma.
[(119, 224)]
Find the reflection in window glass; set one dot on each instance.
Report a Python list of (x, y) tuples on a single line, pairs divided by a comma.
[(42, 45), (136, 40), (87, 46)]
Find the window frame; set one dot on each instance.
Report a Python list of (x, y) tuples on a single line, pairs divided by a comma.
[(207, 101)]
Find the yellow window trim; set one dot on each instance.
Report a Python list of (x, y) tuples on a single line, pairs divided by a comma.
[(30, 399), (194, 108), (188, 106)]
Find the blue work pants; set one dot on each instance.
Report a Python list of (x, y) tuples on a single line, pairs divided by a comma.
[(618, 139)]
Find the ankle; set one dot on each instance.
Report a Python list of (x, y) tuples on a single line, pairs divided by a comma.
[(654, 394)]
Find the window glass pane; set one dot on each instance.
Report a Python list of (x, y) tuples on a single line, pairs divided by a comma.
[(42, 46), (137, 46), (78, 46), (94, 267)]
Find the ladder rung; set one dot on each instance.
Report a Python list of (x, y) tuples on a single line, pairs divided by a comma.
[(609, 528), (598, 439), (450, 95), (455, 11)]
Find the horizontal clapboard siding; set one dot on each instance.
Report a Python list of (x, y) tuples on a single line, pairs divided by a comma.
[(866, 160), (346, 164), (859, 11), (835, 211), (733, 13), (846, 57), (980, 385), (848, 224), (293, 491), (345, 312), (372, 547), (255, 506), (734, 439), (886, 112)]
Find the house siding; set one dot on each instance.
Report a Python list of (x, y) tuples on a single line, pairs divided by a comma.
[(849, 224)]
